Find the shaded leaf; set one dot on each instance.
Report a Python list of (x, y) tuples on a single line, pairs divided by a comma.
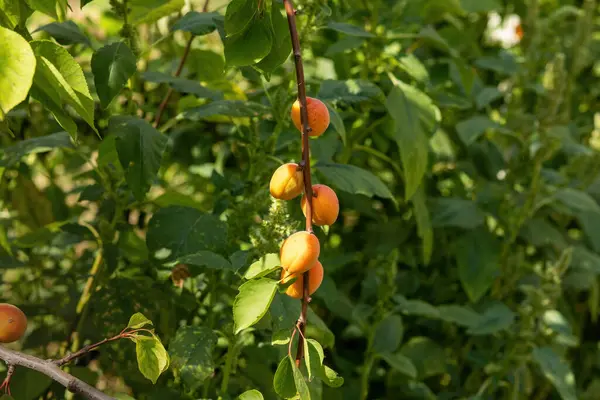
[(427, 356), (283, 381), (112, 66), (478, 257), (196, 23), (349, 29), (388, 334), (140, 148), (206, 259), (183, 85), (455, 212), (282, 47), (352, 179), (226, 108), (557, 371), (175, 232), (350, 91), (13, 154), (148, 11), (191, 352), (400, 363), (238, 16), (65, 33), (497, 317), (249, 46)]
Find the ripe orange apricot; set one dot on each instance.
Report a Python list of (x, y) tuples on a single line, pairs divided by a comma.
[(315, 278), (287, 182), (299, 252), (318, 116), (326, 206), (13, 323)]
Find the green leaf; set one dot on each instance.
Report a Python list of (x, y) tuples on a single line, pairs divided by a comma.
[(337, 122), (251, 395), (350, 91), (455, 212), (112, 66), (175, 232), (480, 6), (11, 156), (140, 148), (17, 68), (53, 104), (504, 63), (250, 46), (183, 85), (400, 363), (557, 322), (148, 11), (284, 313), (314, 357), (282, 44), (471, 129), (300, 382), (424, 226), (138, 320), (56, 9), (191, 352), (478, 257), (486, 96), (431, 36), (577, 201), (316, 328), (206, 259), (557, 371), (459, 315), (60, 77), (411, 65), (388, 334), (65, 33), (252, 302), (196, 23), (355, 180), (497, 317), (14, 13), (283, 381), (264, 266), (27, 384), (331, 378), (416, 307), (238, 16), (427, 356), (349, 29), (226, 108), (410, 135), (6, 397), (152, 357)]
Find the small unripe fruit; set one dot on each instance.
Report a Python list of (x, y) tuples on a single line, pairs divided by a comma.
[(299, 252), (287, 182), (315, 278), (325, 205), (318, 116), (13, 323)]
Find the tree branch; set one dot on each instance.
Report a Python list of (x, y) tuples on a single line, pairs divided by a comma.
[(186, 53), (48, 368), (291, 17)]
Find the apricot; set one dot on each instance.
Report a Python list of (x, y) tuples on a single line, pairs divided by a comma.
[(13, 323), (318, 116), (299, 252), (287, 182), (315, 278), (325, 205)]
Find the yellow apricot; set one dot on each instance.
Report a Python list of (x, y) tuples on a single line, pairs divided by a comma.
[(13, 323), (315, 278), (318, 116), (325, 205), (299, 252), (287, 182)]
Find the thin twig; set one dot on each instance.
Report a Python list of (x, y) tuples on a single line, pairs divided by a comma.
[(291, 17), (51, 370), (186, 53), (70, 357)]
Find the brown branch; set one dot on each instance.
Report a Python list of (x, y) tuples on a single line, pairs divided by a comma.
[(15, 358), (70, 357), (291, 17), (186, 53)]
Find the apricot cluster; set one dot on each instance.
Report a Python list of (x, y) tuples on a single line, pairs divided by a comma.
[(13, 323), (300, 252)]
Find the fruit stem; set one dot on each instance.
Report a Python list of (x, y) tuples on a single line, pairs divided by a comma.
[(291, 17)]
